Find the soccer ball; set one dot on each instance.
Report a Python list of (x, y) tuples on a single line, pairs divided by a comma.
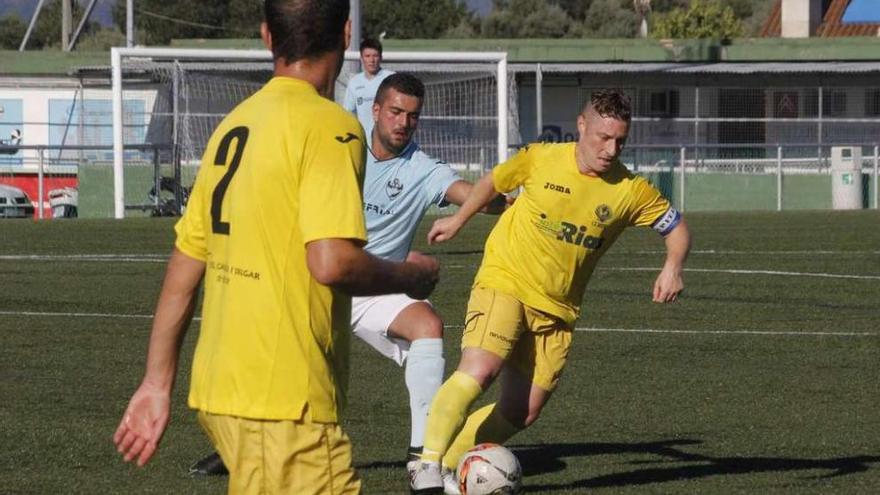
[(489, 469)]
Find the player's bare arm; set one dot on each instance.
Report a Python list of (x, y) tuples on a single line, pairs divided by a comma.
[(146, 416), (341, 263), (669, 283), (480, 195), (458, 193)]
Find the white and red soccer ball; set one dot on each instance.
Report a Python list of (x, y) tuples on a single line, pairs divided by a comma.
[(489, 469)]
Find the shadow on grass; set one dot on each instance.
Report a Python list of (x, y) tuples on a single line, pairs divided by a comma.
[(381, 465), (548, 458)]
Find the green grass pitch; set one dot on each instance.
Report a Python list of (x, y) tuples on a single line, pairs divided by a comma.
[(762, 379)]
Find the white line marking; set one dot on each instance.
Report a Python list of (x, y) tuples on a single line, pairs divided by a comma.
[(74, 315), (745, 252), (709, 332), (724, 332), (127, 258), (79, 315), (164, 256), (749, 272), (577, 329), (718, 270)]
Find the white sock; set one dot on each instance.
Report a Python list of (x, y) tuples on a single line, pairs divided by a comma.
[(424, 375)]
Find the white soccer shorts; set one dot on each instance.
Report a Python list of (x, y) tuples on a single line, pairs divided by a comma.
[(370, 318)]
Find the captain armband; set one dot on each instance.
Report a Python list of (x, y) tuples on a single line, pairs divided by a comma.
[(667, 221)]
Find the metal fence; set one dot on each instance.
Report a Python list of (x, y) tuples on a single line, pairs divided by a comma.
[(756, 176)]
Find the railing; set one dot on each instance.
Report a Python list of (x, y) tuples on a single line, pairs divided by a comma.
[(40, 161), (756, 159), (695, 177)]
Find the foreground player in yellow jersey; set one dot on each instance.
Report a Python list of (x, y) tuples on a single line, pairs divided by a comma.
[(275, 227), (576, 199)]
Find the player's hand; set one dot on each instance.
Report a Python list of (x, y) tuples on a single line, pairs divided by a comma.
[(429, 274), (143, 424), (499, 204), (444, 229), (668, 285)]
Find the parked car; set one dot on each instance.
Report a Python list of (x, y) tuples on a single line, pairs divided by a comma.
[(64, 202), (14, 203)]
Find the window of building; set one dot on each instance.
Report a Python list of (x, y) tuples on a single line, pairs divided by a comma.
[(872, 102), (833, 103), (661, 103)]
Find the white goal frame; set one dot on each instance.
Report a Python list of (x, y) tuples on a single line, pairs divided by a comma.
[(117, 55)]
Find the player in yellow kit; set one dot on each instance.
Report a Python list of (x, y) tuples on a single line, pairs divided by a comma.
[(271, 363), (576, 199)]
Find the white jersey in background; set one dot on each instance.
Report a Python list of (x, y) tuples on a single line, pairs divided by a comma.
[(359, 96)]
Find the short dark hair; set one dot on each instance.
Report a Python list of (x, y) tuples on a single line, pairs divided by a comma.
[(610, 103), (303, 29), (371, 43), (403, 82)]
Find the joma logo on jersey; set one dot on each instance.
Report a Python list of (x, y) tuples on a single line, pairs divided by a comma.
[(347, 138), (577, 235), (557, 188)]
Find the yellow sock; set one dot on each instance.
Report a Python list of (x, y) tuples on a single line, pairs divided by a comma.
[(448, 410), (483, 425)]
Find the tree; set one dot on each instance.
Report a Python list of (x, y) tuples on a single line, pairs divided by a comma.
[(100, 40), (465, 29), (12, 30), (159, 21), (245, 17), (527, 19), (576, 9), (47, 32), (411, 18), (703, 19), (610, 19)]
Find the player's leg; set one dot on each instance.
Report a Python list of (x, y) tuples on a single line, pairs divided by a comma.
[(530, 375), (492, 327), (419, 325)]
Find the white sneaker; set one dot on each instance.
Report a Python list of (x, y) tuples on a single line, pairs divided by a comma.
[(450, 482), (412, 466), (426, 478)]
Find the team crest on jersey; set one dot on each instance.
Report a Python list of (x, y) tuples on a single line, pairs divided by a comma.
[(603, 212), (393, 188), (360, 100)]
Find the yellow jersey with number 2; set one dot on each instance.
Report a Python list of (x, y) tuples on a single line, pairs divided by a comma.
[(284, 168)]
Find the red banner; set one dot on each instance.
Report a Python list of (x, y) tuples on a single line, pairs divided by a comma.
[(29, 183)]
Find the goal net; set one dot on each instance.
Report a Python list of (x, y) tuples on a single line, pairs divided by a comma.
[(467, 119)]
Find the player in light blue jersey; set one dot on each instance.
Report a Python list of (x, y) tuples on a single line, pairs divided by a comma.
[(361, 89), (401, 183)]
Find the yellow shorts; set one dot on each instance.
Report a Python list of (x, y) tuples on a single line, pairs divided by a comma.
[(282, 457), (533, 342)]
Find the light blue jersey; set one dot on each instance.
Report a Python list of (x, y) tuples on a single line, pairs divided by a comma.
[(359, 97), (397, 193)]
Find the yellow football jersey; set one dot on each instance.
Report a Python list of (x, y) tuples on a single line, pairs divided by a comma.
[(545, 247), (285, 167)]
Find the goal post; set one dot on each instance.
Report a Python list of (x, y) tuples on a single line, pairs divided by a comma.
[(449, 72)]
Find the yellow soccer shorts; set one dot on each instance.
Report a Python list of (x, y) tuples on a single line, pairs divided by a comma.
[(533, 342), (282, 457)]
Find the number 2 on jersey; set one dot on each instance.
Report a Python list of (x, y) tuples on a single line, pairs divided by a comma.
[(240, 134)]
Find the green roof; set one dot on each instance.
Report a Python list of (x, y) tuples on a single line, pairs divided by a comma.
[(47, 62), (650, 50)]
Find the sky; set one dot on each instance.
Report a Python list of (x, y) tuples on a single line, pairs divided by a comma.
[(25, 9), (862, 11)]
